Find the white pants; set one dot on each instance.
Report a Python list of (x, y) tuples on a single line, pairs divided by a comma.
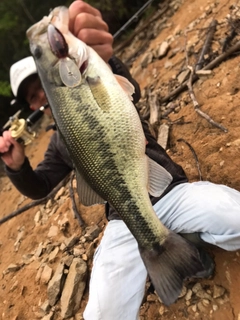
[(118, 277)]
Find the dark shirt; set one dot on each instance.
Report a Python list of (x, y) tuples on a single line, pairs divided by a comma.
[(57, 164)]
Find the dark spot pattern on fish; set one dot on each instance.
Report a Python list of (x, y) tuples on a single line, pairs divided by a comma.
[(91, 160)]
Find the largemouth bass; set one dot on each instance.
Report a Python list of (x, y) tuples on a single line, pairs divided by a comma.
[(103, 134)]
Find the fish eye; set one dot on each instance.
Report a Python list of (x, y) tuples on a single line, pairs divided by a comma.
[(38, 52)]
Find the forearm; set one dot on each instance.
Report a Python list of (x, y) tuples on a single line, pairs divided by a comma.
[(28, 182)]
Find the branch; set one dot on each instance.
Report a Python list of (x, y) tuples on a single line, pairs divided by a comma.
[(209, 66), (74, 206), (196, 104), (194, 155), (207, 43), (35, 203)]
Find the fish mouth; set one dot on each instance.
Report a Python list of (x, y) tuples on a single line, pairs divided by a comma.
[(58, 17)]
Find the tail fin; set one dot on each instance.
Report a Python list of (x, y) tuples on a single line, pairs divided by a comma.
[(169, 264)]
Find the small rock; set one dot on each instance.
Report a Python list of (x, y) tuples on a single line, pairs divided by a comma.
[(194, 308), (200, 306), (196, 287), (48, 316), (45, 307), (68, 260), (162, 50), (215, 307), (161, 310), (77, 252), (203, 295), (49, 204), (163, 133), (183, 292), (92, 232), (37, 217), (73, 288), (14, 286), (12, 268), (53, 254), (188, 295), (63, 224), (168, 64), (205, 302), (53, 231), (46, 274), (39, 250), (55, 285), (70, 242), (84, 257), (146, 59), (221, 163), (182, 76), (151, 297), (27, 258), (59, 193), (218, 291)]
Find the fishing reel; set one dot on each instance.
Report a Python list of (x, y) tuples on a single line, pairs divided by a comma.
[(21, 129)]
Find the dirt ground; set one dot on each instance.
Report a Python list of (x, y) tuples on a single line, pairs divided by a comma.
[(217, 151)]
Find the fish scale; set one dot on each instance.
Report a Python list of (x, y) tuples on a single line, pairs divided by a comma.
[(94, 159), (103, 134)]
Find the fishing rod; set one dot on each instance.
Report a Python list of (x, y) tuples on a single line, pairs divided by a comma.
[(134, 18)]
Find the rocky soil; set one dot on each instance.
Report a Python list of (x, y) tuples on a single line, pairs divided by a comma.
[(46, 256)]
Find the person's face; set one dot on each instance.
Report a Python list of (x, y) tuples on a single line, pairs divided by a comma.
[(35, 96)]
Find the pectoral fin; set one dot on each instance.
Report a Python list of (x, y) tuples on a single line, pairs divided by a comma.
[(99, 92), (126, 85)]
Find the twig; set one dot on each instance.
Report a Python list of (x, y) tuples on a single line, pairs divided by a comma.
[(222, 57), (34, 203), (74, 206), (196, 104), (154, 109), (194, 155), (171, 108), (209, 66), (207, 43)]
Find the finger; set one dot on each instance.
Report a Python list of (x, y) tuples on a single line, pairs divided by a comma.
[(95, 37), (88, 21), (5, 142), (104, 51), (9, 140), (78, 7), (7, 135)]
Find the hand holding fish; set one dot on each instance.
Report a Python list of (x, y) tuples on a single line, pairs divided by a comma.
[(86, 23)]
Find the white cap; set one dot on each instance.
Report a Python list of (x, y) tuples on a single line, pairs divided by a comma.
[(19, 71)]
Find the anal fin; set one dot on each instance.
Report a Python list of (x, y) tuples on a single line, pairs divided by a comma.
[(158, 178), (86, 194)]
